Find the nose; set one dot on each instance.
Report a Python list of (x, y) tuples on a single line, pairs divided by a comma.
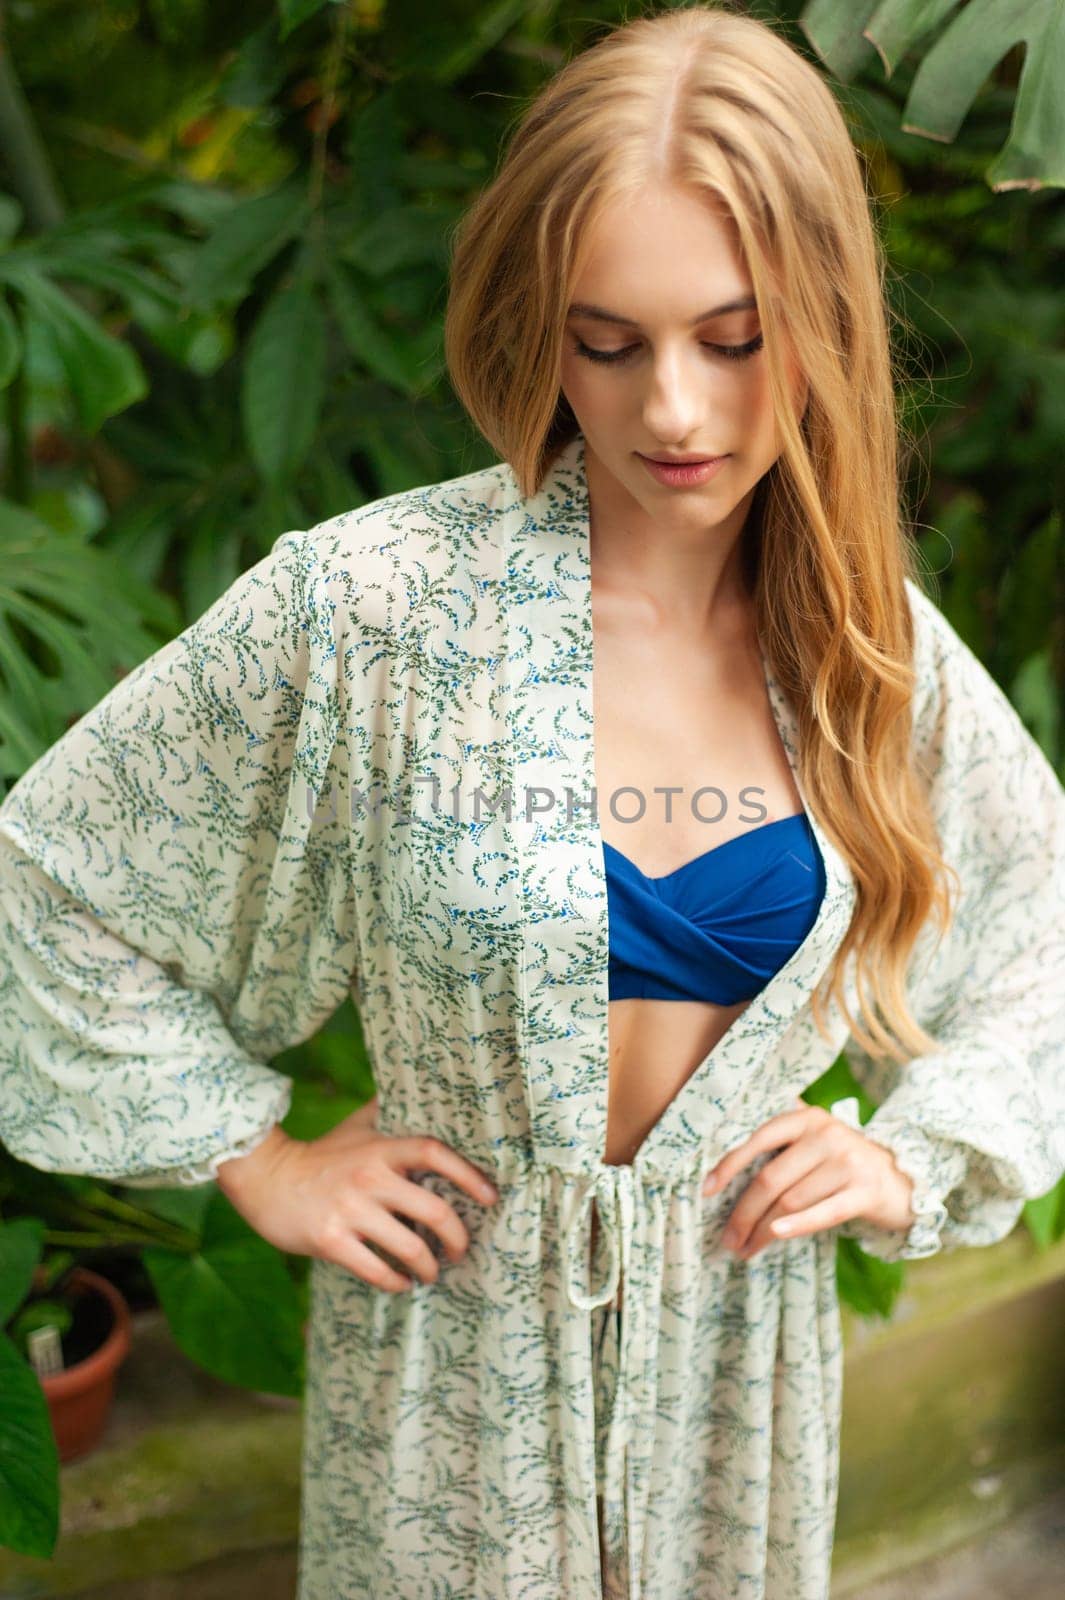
[(675, 402)]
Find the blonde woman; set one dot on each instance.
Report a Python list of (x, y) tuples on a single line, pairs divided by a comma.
[(614, 1366)]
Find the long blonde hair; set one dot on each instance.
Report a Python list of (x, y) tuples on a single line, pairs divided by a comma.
[(721, 104)]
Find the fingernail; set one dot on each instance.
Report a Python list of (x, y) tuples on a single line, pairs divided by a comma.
[(488, 1193), (711, 1183)]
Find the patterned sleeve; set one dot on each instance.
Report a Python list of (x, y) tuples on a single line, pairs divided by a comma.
[(172, 901), (978, 1124)]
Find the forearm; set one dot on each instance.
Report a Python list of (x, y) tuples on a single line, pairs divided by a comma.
[(234, 1175)]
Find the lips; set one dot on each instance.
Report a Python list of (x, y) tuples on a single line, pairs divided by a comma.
[(684, 474), (680, 461)]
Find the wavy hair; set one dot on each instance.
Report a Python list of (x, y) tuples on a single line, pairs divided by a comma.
[(723, 106)]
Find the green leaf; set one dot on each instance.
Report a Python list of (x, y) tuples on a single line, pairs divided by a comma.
[(244, 242), (49, 1194), (951, 74), (429, 172), (834, 28), (316, 1109), (364, 336), (10, 344), (21, 1243), (185, 1207), (490, 25), (896, 27), (200, 339), (104, 374), (405, 236), (70, 508), (38, 1314), (257, 71), (866, 1284), (293, 12), (210, 555), (11, 218), (956, 67), (374, 153), (90, 262), (232, 1305), (29, 1460), (198, 203), (1045, 1217), (82, 608), (335, 1058), (838, 1082), (139, 533), (284, 381), (1035, 696), (335, 488)]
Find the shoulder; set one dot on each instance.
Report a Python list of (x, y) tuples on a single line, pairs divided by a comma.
[(966, 730), (950, 680), (385, 555), (937, 647)]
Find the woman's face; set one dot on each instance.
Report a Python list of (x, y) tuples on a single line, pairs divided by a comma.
[(678, 366)]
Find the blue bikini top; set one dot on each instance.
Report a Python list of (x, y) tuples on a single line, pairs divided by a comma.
[(720, 926)]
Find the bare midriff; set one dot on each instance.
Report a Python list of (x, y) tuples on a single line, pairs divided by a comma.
[(691, 712), (655, 1046)]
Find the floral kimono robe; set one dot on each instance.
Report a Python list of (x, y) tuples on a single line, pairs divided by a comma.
[(277, 808)]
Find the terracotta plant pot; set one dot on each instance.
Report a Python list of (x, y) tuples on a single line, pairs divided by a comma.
[(79, 1398)]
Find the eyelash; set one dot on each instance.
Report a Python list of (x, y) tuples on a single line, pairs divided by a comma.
[(731, 352)]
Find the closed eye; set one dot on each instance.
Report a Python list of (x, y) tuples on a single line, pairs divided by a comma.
[(731, 352)]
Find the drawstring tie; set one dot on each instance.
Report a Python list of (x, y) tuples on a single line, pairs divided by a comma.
[(616, 1193)]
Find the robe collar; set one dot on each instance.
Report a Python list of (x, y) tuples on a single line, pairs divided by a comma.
[(564, 947)]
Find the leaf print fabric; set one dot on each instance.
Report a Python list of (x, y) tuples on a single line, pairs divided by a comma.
[(979, 1124), (169, 916), (306, 793)]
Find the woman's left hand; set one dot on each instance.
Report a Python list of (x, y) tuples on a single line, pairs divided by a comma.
[(828, 1173)]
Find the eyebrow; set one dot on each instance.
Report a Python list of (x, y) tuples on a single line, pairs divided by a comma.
[(597, 313)]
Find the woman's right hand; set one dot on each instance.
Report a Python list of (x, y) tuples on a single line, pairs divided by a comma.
[(324, 1197)]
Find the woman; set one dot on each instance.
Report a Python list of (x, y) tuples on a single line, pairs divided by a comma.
[(370, 766)]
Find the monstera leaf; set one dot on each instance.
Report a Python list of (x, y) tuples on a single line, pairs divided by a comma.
[(845, 32), (72, 620)]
